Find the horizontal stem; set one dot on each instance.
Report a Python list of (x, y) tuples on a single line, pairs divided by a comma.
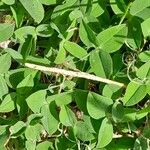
[(73, 74)]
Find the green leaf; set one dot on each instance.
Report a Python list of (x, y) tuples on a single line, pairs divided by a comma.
[(9, 2), (80, 97), (66, 116), (111, 39), (105, 134), (18, 14), (117, 66), (34, 8), (138, 6), (86, 35), (26, 47), (8, 104), (69, 85), (97, 105), (75, 49), (146, 132), (71, 29), (37, 60), (45, 145), (101, 63), (23, 32), (148, 88), (14, 77), (6, 31), (141, 143), (61, 9), (144, 110), (44, 30), (112, 91), (22, 106), (85, 7), (83, 131), (144, 71), (64, 144), (34, 118), (75, 14), (135, 92), (3, 129), (118, 6), (36, 100), (5, 59), (3, 87), (61, 55), (3, 139), (17, 129), (117, 111), (144, 56), (145, 27), (14, 54), (135, 37), (30, 145), (33, 132), (48, 2), (49, 121), (61, 99), (123, 143), (25, 86), (97, 10)]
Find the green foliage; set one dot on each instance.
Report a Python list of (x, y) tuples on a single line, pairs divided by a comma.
[(6, 30), (57, 110)]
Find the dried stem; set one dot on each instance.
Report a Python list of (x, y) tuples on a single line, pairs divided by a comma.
[(73, 74)]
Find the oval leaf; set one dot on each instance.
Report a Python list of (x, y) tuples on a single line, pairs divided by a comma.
[(49, 121), (135, 36), (8, 104), (101, 63), (6, 31), (145, 27), (75, 49), (66, 116), (48, 2), (83, 131), (45, 145), (112, 38), (117, 111), (144, 56), (86, 35), (6, 61), (36, 100), (138, 6), (34, 8), (97, 105), (33, 132), (135, 92), (23, 32), (3, 87), (8, 2), (17, 129), (25, 86), (105, 134), (144, 71), (61, 55), (44, 30)]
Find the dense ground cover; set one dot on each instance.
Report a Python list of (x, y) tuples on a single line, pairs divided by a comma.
[(43, 108)]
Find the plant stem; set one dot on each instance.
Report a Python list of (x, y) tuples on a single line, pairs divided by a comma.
[(73, 74)]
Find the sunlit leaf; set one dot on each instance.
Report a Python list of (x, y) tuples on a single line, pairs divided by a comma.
[(135, 92), (105, 133)]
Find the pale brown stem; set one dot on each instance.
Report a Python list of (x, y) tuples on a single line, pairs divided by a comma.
[(73, 74)]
